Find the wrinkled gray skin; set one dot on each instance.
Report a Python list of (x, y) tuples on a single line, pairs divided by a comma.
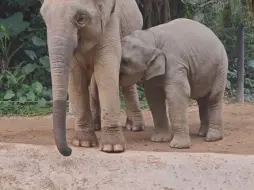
[(179, 60), (134, 119), (84, 39)]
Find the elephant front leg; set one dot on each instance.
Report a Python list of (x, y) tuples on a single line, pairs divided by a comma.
[(106, 72), (156, 100), (177, 93), (134, 121), (79, 98)]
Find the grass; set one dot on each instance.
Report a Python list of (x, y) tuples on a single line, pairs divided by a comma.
[(17, 109), (14, 109)]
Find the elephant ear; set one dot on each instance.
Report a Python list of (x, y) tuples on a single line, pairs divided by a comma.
[(156, 65), (102, 6), (106, 8)]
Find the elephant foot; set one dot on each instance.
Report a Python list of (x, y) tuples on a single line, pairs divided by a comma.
[(161, 135), (112, 140), (84, 139), (202, 130), (180, 142), (213, 135), (132, 127)]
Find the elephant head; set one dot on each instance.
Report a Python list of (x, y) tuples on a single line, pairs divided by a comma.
[(72, 26), (140, 58)]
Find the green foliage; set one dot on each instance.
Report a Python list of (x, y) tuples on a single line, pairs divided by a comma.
[(24, 63), (224, 17), (25, 82)]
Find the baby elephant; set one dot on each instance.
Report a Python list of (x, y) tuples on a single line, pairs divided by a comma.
[(178, 60)]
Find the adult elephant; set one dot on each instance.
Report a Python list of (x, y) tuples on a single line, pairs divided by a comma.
[(84, 38)]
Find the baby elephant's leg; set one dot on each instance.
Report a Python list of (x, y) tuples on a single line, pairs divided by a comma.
[(203, 115), (135, 121), (156, 101), (215, 104), (177, 93), (215, 120), (128, 122)]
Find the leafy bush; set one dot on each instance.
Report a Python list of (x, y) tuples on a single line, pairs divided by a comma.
[(24, 62)]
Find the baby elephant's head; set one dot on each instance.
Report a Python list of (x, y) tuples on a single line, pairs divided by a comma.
[(140, 59)]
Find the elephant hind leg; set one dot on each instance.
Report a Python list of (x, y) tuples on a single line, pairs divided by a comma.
[(215, 105), (203, 115), (215, 119)]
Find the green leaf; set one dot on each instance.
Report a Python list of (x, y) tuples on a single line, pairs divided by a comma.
[(19, 93), (38, 42), (1, 35), (25, 87), (31, 54), (15, 24), (37, 87), (29, 68), (31, 96), (45, 62), (9, 95), (42, 102), (3, 32), (232, 74), (47, 93), (11, 79), (251, 63), (3, 28), (248, 98), (247, 91), (22, 99), (228, 86)]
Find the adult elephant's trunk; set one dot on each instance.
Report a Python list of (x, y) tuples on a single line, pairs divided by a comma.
[(61, 48)]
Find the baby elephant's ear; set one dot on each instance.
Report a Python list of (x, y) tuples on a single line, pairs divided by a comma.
[(156, 65)]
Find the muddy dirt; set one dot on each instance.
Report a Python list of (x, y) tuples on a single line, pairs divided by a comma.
[(238, 132)]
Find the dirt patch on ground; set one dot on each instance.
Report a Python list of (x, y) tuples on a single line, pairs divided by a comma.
[(239, 132)]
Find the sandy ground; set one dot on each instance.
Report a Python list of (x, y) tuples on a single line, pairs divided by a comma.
[(33, 167), (30, 160), (239, 132)]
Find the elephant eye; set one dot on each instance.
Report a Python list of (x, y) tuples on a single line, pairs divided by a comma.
[(81, 19)]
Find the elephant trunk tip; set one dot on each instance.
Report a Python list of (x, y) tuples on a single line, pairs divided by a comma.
[(59, 122), (66, 151)]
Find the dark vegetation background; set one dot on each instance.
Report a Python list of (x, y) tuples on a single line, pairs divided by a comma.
[(25, 86)]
